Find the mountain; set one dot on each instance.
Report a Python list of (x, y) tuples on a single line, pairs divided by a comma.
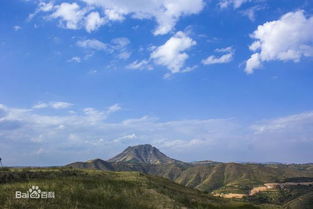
[(208, 176), (142, 154)]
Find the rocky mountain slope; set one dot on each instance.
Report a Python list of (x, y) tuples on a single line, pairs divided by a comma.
[(142, 154)]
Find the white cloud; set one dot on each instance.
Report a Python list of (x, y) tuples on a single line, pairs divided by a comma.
[(285, 137), (218, 60), (92, 44), (40, 106), (86, 134), (294, 123), (165, 12), (288, 39), (235, 3), (114, 15), (140, 65), (42, 7), (225, 50), (54, 105), (45, 7), (114, 108), (225, 58), (172, 54), (75, 59), (94, 116), (93, 21), (119, 43), (117, 46), (125, 138), (253, 63), (70, 15), (60, 105), (251, 12), (124, 55), (17, 28)]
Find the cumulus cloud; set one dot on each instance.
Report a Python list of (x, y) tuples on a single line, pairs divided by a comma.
[(94, 21), (288, 39), (172, 54), (70, 15), (225, 58), (165, 12)]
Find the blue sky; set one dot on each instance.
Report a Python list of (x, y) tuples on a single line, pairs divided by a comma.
[(225, 80)]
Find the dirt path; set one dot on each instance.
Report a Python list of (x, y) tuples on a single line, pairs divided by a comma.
[(230, 195)]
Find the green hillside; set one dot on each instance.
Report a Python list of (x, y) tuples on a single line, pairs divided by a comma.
[(303, 202), (94, 189), (241, 176), (223, 177)]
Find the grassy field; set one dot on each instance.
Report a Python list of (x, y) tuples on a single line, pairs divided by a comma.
[(94, 189)]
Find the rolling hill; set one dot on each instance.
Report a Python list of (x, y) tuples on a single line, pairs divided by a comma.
[(204, 175), (96, 189), (208, 176)]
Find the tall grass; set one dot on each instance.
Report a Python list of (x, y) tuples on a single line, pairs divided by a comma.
[(91, 189)]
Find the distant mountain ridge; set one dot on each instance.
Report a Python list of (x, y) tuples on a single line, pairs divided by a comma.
[(203, 175), (142, 154)]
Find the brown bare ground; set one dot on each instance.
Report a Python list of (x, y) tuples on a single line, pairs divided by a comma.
[(266, 187)]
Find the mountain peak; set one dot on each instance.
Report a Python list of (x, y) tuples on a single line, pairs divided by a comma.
[(145, 153), (141, 146)]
